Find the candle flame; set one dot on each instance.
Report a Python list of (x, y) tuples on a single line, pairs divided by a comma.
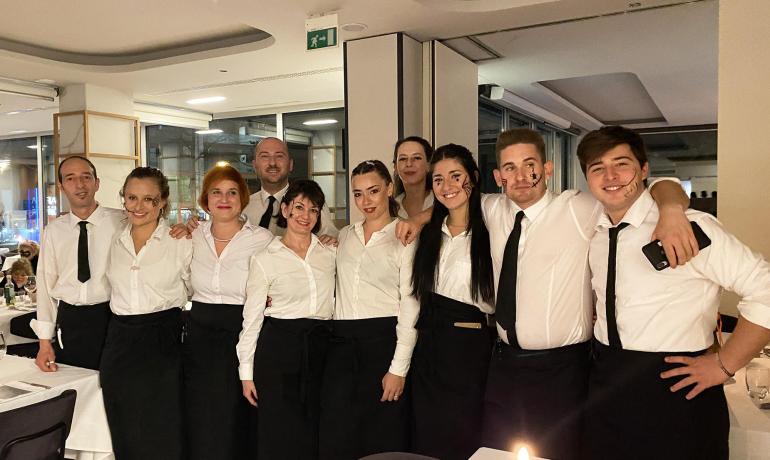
[(523, 454)]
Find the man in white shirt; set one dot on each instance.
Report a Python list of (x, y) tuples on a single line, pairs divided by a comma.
[(73, 291), (538, 376), (273, 163), (653, 328)]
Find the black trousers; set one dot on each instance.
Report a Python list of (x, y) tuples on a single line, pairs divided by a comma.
[(632, 414), (83, 329), (288, 368), (537, 397), (20, 326), (448, 376), (217, 416), (142, 385), (354, 423)]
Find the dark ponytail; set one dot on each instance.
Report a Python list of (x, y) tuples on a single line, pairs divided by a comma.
[(378, 167)]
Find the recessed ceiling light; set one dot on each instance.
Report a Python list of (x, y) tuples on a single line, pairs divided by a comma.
[(326, 121), (353, 27), (206, 100), (222, 163), (32, 146), (208, 131), (15, 112)]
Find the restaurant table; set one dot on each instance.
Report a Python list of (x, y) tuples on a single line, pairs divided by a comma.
[(89, 437), (6, 315), (749, 425), (485, 453)]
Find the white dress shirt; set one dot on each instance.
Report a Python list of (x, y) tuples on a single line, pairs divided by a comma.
[(57, 271), (674, 310), (258, 204), (402, 210), (553, 295), (374, 280), (298, 288), (155, 279), (454, 269), (222, 279)]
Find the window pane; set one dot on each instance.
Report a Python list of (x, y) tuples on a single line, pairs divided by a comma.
[(19, 216), (490, 126)]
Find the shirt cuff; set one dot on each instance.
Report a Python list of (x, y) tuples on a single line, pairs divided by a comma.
[(399, 367), (43, 329), (246, 371)]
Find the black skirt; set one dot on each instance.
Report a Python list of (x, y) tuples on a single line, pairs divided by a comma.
[(354, 423), (217, 416), (82, 329), (632, 414), (537, 397), (142, 385), (288, 367), (448, 375)]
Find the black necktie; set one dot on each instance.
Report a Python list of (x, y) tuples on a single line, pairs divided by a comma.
[(609, 301), (84, 271), (264, 221), (506, 289)]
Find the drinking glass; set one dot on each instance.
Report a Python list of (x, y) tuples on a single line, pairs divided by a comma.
[(758, 385), (31, 285), (3, 347)]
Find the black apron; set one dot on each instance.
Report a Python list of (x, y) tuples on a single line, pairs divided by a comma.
[(288, 368), (142, 385), (537, 397), (632, 413), (354, 422), (217, 415), (448, 375), (82, 329)]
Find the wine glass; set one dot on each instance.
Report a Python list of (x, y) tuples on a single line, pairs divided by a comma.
[(758, 385), (30, 286)]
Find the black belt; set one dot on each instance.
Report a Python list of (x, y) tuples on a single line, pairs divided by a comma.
[(502, 348)]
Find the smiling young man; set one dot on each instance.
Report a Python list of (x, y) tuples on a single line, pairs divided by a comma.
[(273, 163), (73, 292), (538, 377), (653, 327)]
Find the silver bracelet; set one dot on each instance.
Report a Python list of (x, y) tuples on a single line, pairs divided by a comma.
[(722, 366)]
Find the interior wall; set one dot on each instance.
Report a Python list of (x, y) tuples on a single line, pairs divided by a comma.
[(744, 70), (455, 99)]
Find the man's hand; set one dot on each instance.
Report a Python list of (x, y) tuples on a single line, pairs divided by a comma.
[(46, 358), (407, 231), (703, 372), (392, 387), (328, 240), (250, 391), (675, 234)]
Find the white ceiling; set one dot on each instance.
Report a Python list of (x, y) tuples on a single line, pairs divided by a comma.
[(672, 50)]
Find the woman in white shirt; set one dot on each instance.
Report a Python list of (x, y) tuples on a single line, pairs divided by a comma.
[(364, 409), (411, 159), (149, 272), (217, 418), (453, 280), (282, 348)]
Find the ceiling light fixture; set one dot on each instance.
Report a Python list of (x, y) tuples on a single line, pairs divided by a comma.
[(208, 131), (32, 146), (354, 27), (325, 121), (222, 163), (15, 112), (206, 100)]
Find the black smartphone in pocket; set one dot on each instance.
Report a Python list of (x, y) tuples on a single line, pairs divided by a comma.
[(657, 256)]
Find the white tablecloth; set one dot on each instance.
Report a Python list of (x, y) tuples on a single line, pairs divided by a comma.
[(89, 437), (6, 315), (749, 425)]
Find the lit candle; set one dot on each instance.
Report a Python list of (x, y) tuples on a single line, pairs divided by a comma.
[(523, 454)]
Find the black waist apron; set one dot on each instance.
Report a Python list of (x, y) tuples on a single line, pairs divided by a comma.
[(448, 375), (80, 333), (142, 385), (537, 397), (354, 423), (288, 368), (217, 416), (632, 413)]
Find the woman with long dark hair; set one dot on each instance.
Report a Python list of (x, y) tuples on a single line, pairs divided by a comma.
[(282, 348), (141, 374), (411, 159), (364, 408), (452, 278), (217, 417)]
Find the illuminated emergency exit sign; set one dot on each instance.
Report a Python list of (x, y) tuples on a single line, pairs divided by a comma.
[(323, 38)]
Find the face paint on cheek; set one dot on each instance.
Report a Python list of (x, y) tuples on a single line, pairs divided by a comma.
[(466, 185), (504, 184), (155, 202), (631, 187)]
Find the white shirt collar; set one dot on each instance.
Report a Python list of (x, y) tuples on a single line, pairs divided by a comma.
[(95, 216), (445, 230), (263, 195), (536, 209), (277, 245), (635, 214)]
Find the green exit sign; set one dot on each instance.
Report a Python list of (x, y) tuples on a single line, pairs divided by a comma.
[(321, 38)]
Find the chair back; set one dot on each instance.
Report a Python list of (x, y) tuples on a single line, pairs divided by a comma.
[(37, 431)]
